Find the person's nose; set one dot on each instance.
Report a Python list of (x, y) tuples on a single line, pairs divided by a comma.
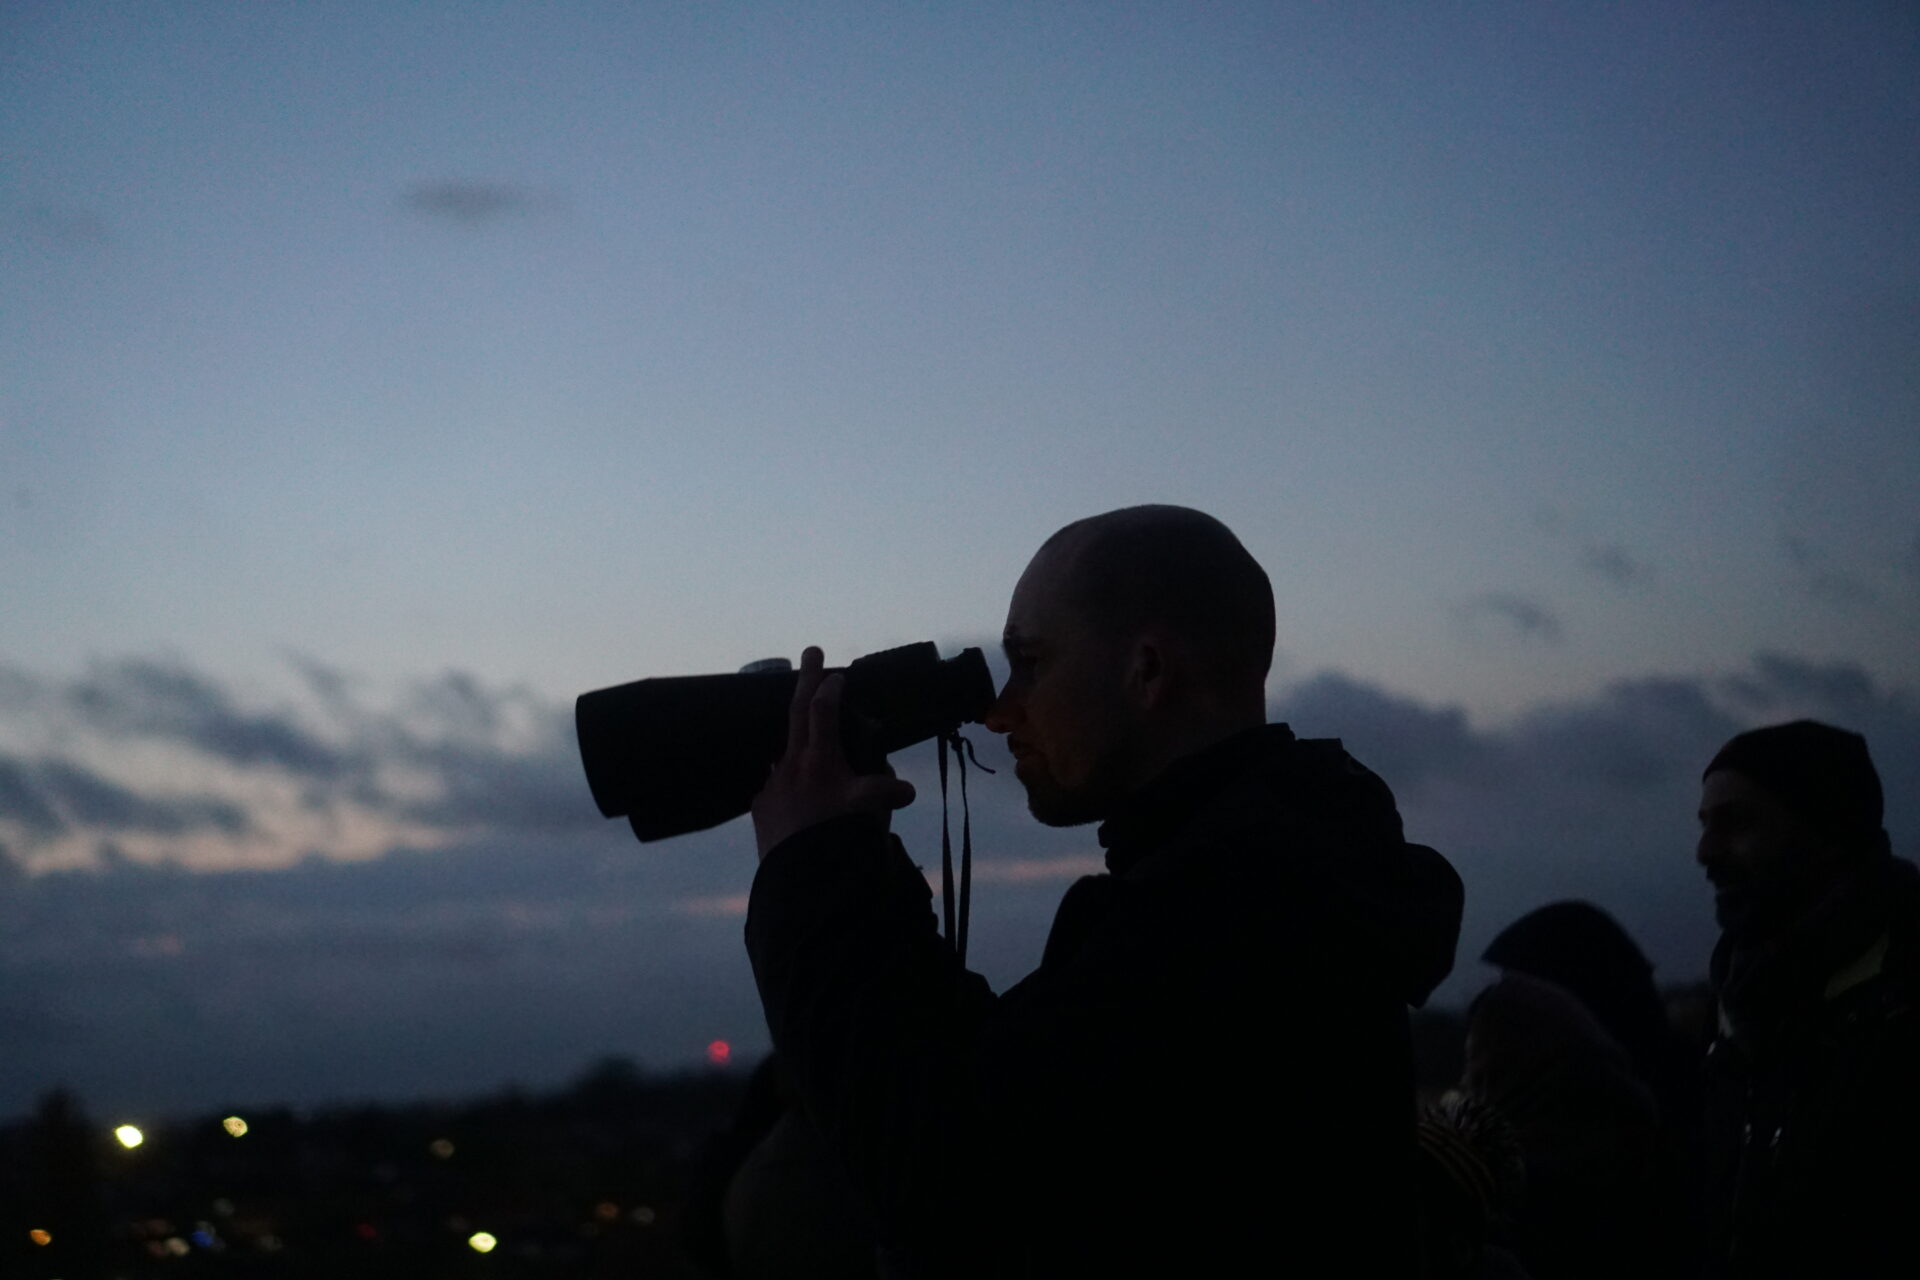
[(1005, 711)]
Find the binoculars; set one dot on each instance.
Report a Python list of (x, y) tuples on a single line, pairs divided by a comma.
[(683, 753)]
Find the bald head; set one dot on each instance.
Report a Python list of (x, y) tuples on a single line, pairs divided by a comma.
[(1133, 639), (1174, 570)]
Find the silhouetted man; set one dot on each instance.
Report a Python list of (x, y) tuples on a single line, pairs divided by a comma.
[(1211, 1065), (1812, 1129)]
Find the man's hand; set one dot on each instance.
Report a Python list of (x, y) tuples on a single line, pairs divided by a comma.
[(813, 781)]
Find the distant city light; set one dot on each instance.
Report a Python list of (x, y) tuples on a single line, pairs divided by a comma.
[(481, 1242), (719, 1053), (606, 1211), (129, 1136), (441, 1148), (235, 1126), (40, 1237), (177, 1247), (644, 1215)]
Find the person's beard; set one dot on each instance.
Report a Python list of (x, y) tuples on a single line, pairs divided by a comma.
[(1752, 911), (1746, 915), (1093, 799)]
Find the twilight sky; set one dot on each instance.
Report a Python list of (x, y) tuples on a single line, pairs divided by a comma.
[(375, 378)]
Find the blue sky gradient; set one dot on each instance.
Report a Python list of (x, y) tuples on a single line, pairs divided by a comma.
[(1557, 361)]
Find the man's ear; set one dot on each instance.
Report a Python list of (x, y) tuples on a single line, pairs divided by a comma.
[(1147, 671)]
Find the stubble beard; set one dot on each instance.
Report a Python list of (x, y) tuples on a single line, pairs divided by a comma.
[(1054, 805), (1052, 808)]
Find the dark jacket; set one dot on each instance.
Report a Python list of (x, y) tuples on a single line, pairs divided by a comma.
[(1812, 1129), (1211, 1063)]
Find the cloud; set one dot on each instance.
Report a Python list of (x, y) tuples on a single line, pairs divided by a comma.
[(19, 692), (728, 906), (1603, 558), (1528, 617), (1839, 686), (1036, 870), (482, 787), (172, 761), (1613, 563), (505, 944), (23, 802), (1821, 580), (469, 203), (1398, 737), (1635, 736), (49, 797), (454, 728), (89, 800), (1632, 735), (144, 697)]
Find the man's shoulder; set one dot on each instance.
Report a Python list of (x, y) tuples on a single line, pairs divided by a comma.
[(1304, 795), (1885, 977), (1313, 833)]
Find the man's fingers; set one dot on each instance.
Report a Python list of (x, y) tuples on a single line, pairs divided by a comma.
[(824, 730), (799, 711)]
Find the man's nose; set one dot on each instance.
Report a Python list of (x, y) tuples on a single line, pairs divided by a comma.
[(1002, 715)]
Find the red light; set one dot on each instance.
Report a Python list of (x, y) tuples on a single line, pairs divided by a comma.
[(719, 1053)]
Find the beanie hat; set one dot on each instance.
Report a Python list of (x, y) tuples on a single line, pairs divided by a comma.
[(1821, 773)]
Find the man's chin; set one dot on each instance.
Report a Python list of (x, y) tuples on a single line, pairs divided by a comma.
[(1744, 917), (1059, 818), (1052, 807)]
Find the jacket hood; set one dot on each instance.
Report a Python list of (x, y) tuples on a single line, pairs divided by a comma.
[(1419, 924), (1400, 902), (1325, 827)]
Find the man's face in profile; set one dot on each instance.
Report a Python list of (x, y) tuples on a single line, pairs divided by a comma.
[(1063, 709), (1766, 864)]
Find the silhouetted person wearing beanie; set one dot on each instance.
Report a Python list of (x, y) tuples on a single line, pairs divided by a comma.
[(1812, 1124)]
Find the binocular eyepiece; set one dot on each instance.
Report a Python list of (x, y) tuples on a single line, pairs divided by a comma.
[(684, 753)]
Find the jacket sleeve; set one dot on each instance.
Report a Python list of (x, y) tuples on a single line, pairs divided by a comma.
[(874, 1016)]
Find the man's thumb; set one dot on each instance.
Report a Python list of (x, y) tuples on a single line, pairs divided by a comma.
[(877, 792)]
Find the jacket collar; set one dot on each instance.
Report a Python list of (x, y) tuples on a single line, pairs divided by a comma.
[(1153, 813), (1840, 945)]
